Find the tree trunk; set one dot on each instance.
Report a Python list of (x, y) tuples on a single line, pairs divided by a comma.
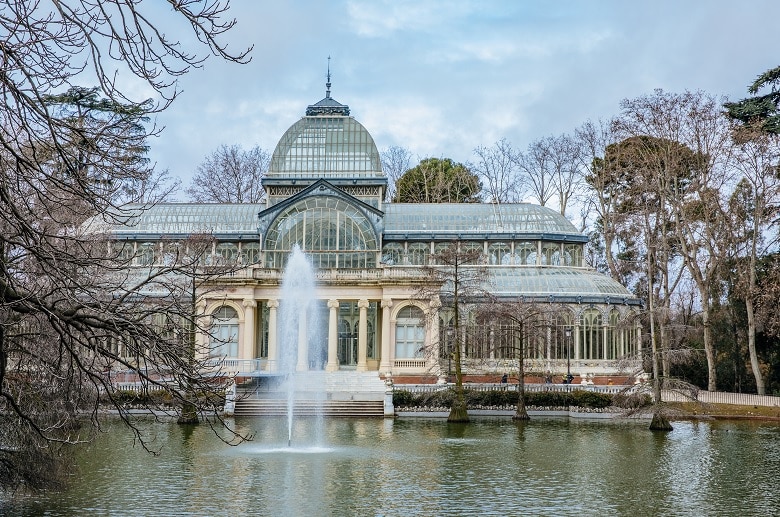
[(660, 422), (521, 413), (709, 348), (751, 318)]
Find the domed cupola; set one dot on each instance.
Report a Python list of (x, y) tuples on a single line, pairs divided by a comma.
[(326, 144)]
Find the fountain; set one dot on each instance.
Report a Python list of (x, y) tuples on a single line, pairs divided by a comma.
[(299, 339)]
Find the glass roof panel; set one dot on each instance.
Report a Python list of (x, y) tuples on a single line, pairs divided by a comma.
[(426, 218), (326, 147), (186, 218), (554, 281)]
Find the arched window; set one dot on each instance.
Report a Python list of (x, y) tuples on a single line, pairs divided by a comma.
[(615, 335), (331, 231), (419, 253), (410, 333), (551, 254), (250, 253), (497, 251), (393, 253), (226, 253), (563, 346), (573, 255), (591, 334), (224, 332), (526, 253), (147, 254)]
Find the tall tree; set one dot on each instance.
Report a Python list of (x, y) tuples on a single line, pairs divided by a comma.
[(395, 162), (693, 121), (438, 180), (761, 112), (458, 275), (66, 301), (497, 168), (753, 207), (230, 175)]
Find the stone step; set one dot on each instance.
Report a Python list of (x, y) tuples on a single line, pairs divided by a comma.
[(329, 408)]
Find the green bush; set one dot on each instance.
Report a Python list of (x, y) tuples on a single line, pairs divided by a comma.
[(504, 397)]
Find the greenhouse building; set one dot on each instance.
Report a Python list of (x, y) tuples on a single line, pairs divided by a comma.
[(374, 310)]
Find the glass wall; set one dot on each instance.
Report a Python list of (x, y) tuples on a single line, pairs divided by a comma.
[(332, 232)]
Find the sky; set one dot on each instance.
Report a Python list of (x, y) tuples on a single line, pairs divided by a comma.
[(441, 78)]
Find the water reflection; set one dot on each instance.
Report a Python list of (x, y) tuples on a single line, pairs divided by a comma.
[(428, 467)]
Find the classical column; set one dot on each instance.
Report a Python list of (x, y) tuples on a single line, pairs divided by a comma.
[(362, 364), (248, 348), (273, 349), (303, 344), (384, 362), (333, 336), (432, 343)]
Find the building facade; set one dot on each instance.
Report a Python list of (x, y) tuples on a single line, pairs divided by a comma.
[(326, 195)]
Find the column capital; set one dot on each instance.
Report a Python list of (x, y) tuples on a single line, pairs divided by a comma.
[(273, 304), (249, 302), (333, 303), (363, 303), (387, 303)]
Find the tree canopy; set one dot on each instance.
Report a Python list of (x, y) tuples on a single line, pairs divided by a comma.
[(760, 111), (438, 180)]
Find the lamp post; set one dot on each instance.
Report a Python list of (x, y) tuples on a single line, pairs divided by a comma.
[(568, 355)]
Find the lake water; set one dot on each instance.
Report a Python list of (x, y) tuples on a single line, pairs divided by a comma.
[(374, 467)]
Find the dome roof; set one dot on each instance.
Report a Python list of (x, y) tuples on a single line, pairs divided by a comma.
[(331, 147)]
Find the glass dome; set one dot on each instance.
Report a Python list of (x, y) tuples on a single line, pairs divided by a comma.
[(326, 147)]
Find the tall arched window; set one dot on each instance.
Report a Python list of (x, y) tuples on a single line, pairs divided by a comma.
[(393, 253), (147, 253), (573, 255), (591, 334), (250, 252), (497, 251), (224, 332), (526, 253), (419, 253), (410, 333), (333, 232), (551, 254), (615, 336)]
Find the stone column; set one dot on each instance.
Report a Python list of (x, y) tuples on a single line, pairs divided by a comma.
[(273, 349), (384, 361), (362, 364), (333, 336), (248, 346)]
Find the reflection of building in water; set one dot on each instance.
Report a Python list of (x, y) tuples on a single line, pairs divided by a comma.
[(325, 193)]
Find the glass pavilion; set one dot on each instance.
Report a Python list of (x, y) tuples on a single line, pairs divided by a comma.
[(325, 193)]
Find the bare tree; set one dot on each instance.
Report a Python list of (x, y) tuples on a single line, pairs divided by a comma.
[(395, 162), (72, 308), (497, 167), (230, 175), (458, 277), (535, 165), (516, 330), (564, 159)]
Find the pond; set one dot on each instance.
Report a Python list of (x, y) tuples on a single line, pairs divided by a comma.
[(416, 466)]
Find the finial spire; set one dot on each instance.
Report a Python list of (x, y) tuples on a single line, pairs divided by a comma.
[(327, 85)]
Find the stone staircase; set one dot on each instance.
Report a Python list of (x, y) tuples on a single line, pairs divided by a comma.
[(328, 408), (332, 394)]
